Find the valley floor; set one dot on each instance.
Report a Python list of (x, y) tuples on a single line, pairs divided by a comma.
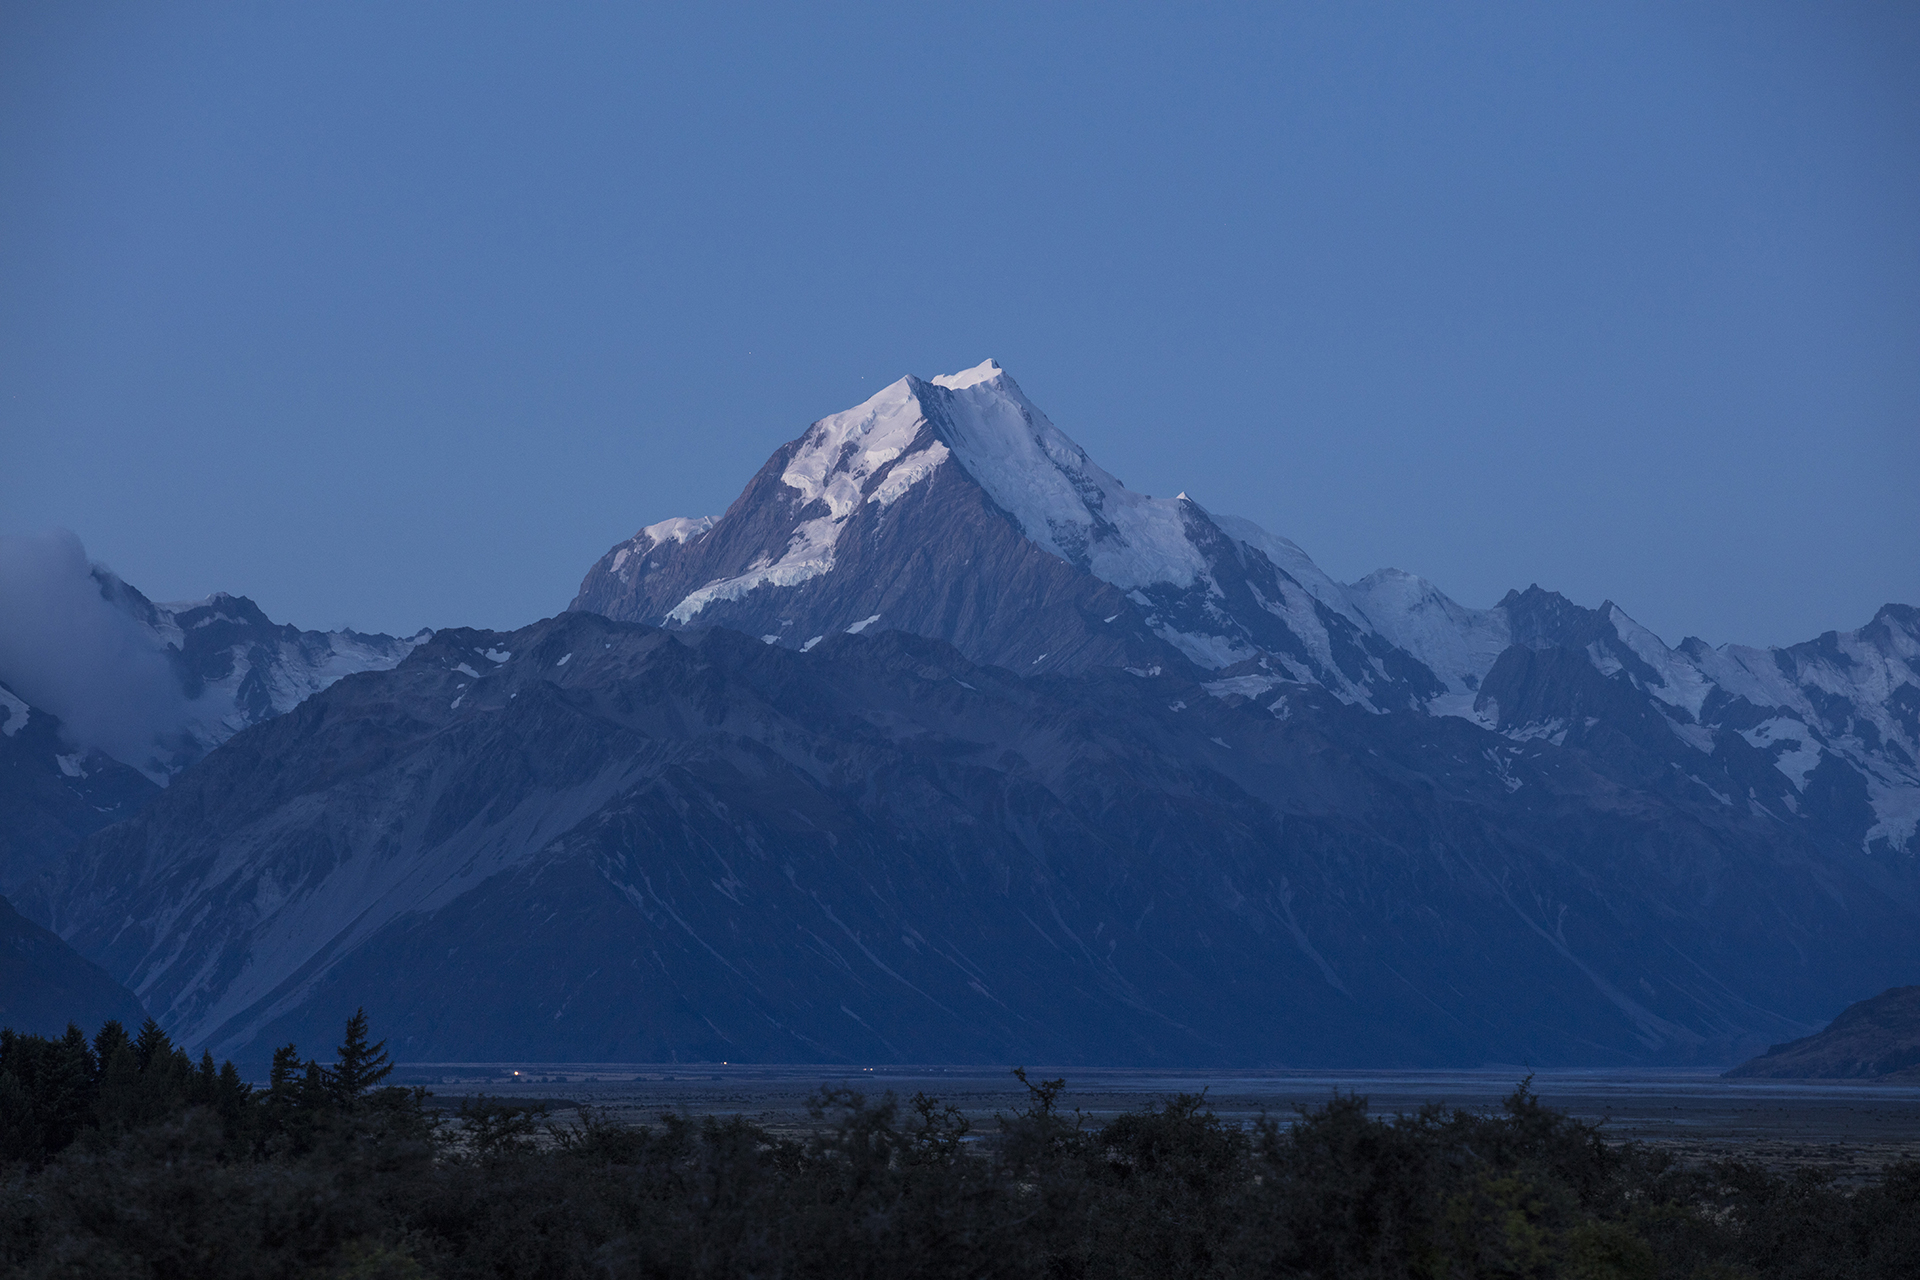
[(1853, 1129)]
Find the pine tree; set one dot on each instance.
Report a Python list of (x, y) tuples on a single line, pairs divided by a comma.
[(286, 1061), (110, 1038), (316, 1091), (359, 1066), (152, 1046), (231, 1095), (204, 1086)]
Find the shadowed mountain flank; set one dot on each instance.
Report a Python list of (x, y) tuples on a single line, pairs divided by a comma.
[(588, 840)]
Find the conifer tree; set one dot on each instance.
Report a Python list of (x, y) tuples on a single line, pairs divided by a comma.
[(151, 1046), (110, 1038), (316, 1094), (359, 1065), (286, 1061)]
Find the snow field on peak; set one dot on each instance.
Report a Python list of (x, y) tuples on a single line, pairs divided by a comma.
[(1059, 496), (809, 554), (836, 462), (984, 371), (910, 471), (673, 529), (678, 528), (839, 454)]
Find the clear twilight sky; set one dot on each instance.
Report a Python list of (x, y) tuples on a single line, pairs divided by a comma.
[(400, 315)]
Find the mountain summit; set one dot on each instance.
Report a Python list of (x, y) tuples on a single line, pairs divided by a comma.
[(954, 508)]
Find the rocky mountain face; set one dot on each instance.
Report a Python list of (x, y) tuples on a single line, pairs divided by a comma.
[(591, 840), (226, 666), (1877, 1039), (954, 509)]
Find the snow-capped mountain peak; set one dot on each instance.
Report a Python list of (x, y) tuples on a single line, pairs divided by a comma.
[(825, 539), (953, 507)]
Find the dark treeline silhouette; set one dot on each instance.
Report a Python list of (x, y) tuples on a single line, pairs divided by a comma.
[(55, 1092), (126, 1158)]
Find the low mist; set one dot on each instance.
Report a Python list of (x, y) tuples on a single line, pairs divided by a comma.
[(67, 650)]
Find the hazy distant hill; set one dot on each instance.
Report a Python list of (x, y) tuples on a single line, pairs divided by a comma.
[(201, 672), (1875, 1039)]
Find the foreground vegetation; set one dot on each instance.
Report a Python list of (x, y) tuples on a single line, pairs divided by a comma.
[(125, 1158)]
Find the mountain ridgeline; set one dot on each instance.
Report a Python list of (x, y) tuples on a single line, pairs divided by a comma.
[(941, 745)]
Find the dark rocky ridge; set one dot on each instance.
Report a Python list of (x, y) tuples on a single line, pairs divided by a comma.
[(619, 843), (1877, 1039), (45, 984)]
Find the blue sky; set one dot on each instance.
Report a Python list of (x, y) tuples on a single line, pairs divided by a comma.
[(401, 315)]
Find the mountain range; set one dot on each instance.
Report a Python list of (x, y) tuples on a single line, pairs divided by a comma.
[(942, 745), (955, 509), (218, 666)]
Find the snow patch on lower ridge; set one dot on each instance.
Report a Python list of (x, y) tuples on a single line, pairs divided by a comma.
[(1458, 644), (1896, 810)]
